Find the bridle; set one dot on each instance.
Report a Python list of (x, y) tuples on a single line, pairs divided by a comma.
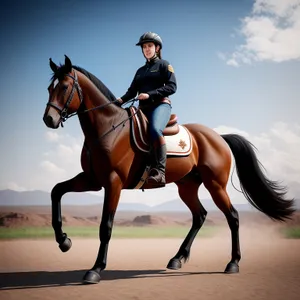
[(64, 111)]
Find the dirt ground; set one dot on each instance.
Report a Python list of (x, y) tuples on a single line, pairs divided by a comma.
[(269, 269)]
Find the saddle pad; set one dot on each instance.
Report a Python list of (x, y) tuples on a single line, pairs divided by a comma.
[(179, 144)]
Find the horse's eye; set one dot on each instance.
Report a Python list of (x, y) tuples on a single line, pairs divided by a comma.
[(65, 87)]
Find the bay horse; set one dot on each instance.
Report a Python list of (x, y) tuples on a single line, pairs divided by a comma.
[(115, 156)]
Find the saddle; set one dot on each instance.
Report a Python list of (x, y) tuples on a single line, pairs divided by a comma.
[(178, 138), (139, 128)]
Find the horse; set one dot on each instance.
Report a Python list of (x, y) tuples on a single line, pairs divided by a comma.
[(116, 154)]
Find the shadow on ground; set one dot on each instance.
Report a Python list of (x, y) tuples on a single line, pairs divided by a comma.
[(40, 279)]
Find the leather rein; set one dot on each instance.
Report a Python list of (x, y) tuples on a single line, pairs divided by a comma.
[(64, 111)]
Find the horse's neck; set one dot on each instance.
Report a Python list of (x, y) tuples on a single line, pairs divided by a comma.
[(97, 122)]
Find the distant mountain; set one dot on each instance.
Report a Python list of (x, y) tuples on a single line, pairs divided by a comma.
[(41, 198), (14, 198), (208, 204)]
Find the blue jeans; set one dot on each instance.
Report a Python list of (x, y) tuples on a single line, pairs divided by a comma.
[(158, 118)]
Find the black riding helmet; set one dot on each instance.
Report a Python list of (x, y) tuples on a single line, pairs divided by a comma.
[(150, 37)]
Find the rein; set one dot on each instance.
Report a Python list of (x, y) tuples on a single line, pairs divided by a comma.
[(63, 112)]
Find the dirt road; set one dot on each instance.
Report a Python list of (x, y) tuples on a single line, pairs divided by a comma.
[(269, 269)]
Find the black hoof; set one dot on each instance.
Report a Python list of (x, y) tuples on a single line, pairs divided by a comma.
[(65, 245), (174, 264), (232, 268), (91, 277)]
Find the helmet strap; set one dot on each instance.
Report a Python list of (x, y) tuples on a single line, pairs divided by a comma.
[(158, 53)]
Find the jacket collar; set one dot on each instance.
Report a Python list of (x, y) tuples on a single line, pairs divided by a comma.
[(152, 60)]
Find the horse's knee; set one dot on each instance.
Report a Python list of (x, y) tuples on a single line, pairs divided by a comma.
[(56, 192), (199, 219)]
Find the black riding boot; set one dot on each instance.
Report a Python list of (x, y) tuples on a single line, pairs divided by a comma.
[(157, 174)]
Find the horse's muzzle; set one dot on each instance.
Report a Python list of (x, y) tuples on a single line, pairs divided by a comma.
[(48, 120)]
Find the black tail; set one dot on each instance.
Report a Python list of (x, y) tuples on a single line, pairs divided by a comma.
[(265, 195)]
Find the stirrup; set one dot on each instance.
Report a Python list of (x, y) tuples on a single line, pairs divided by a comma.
[(156, 177)]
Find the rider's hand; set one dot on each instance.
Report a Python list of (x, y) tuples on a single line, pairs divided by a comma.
[(143, 96), (119, 100)]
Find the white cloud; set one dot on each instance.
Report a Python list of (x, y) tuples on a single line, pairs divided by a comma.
[(68, 154), (61, 160), (226, 129), (281, 8), (271, 33), (282, 131), (13, 186), (53, 169), (52, 136), (232, 62)]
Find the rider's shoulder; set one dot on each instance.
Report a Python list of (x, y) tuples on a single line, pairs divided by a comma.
[(167, 65), (164, 62)]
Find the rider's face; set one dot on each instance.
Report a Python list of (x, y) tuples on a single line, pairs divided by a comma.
[(149, 49)]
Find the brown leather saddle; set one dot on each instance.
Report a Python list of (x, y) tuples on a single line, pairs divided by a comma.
[(139, 128)]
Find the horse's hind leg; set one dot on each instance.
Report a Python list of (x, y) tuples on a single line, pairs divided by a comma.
[(188, 192), (80, 183), (222, 200)]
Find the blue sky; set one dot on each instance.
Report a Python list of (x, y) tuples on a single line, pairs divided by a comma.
[(237, 71)]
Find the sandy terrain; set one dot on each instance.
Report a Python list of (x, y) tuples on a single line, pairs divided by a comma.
[(270, 269)]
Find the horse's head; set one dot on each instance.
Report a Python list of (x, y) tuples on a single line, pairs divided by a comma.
[(65, 95)]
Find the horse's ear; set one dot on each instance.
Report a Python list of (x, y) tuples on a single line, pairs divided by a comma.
[(53, 66), (68, 64)]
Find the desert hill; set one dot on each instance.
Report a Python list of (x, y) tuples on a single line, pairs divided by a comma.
[(29, 217), (17, 220), (41, 198)]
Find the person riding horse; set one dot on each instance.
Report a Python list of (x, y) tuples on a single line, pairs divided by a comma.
[(75, 91), (154, 82)]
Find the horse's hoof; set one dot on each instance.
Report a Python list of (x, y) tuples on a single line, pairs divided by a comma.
[(91, 277), (174, 264), (232, 268), (65, 245)]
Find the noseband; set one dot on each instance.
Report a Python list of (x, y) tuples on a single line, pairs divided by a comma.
[(64, 111)]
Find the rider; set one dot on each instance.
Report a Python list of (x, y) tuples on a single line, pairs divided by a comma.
[(154, 82)]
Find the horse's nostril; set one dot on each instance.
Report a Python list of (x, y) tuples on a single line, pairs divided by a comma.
[(48, 120)]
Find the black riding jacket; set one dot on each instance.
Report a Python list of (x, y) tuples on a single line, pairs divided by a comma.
[(155, 78)]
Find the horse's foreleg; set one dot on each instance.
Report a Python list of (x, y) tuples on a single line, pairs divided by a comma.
[(80, 183), (111, 200)]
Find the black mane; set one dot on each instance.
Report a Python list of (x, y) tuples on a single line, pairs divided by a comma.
[(60, 73), (98, 83)]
